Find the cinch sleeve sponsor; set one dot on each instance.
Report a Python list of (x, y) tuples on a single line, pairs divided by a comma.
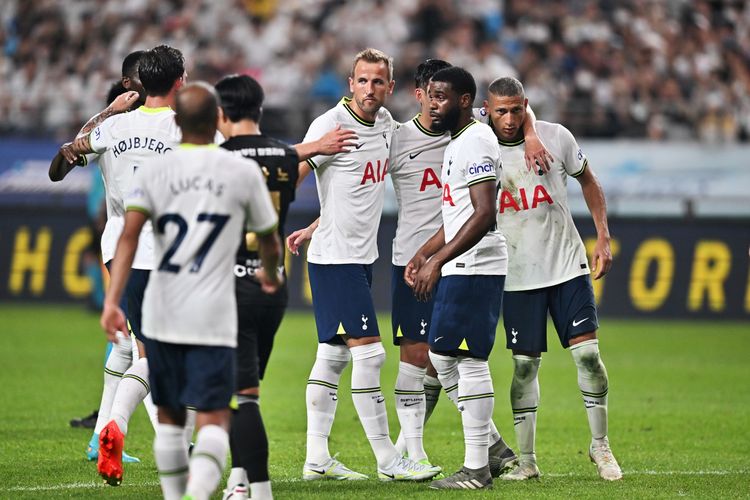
[(480, 164), (574, 160), (101, 137), (318, 128)]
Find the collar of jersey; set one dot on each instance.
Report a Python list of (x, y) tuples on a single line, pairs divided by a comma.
[(188, 145), (511, 143), (455, 136), (154, 110), (424, 130), (345, 101)]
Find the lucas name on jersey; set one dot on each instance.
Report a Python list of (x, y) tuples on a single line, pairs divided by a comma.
[(196, 183), (149, 143)]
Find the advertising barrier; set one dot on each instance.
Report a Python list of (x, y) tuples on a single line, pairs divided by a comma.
[(662, 268)]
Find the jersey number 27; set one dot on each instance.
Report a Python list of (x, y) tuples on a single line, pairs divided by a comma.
[(182, 228)]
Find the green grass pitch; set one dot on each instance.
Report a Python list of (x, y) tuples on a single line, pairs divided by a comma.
[(679, 414)]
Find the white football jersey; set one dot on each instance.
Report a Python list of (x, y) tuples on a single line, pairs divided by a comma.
[(201, 200), (543, 244), (351, 187), (472, 157), (125, 142), (416, 159)]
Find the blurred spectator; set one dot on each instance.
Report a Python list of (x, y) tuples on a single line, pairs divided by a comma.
[(662, 69)]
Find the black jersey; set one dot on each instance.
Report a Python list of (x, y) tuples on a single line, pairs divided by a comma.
[(279, 163)]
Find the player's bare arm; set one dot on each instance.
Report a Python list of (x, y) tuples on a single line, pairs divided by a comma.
[(430, 247), (295, 240), (113, 319), (121, 104), (536, 154), (68, 157), (269, 248), (594, 196), (60, 166), (476, 226), (337, 140)]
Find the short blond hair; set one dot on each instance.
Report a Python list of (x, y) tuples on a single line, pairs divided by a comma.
[(374, 56)]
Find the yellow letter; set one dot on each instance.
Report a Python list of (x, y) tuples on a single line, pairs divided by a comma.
[(76, 284), (659, 251), (32, 260), (598, 285), (711, 265)]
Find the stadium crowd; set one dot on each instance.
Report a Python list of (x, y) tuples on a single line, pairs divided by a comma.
[(665, 69)]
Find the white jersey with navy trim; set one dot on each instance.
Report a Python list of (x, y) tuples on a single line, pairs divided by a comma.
[(544, 246), (124, 142), (201, 200), (415, 169), (351, 187), (472, 157)]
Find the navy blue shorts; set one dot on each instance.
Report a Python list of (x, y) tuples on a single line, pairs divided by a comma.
[(132, 299), (410, 318), (465, 316), (183, 375), (342, 301), (570, 304)]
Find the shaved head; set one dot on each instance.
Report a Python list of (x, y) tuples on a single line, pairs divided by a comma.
[(196, 109)]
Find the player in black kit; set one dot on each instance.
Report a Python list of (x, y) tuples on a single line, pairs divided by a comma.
[(259, 314)]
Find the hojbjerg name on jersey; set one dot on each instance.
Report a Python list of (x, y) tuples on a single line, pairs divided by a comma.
[(138, 142)]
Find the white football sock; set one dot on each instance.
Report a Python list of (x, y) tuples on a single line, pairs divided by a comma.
[(369, 401), (207, 461), (593, 382), (189, 425), (447, 374), (236, 476), (130, 392), (171, 456), (410, 407), (118, 362), (432, 389), (524, 400), (322, 397), (476, 401)]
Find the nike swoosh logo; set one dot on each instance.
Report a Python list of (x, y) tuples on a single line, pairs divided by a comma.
[(438, 338), (380, 400), (576, 323), (412, 404), (359, 145), (412, 156), (321, 472)]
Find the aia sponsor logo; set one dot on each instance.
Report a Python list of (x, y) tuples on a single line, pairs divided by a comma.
[(447, 200), (374, 173), (429, 178), (524, 201)]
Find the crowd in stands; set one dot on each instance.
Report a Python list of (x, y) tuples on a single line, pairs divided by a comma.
[(656, 69)]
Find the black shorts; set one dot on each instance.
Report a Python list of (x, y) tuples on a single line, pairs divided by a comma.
[(132, 300), (570, 304), (257, 326), (190, 375), (410, 318)]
